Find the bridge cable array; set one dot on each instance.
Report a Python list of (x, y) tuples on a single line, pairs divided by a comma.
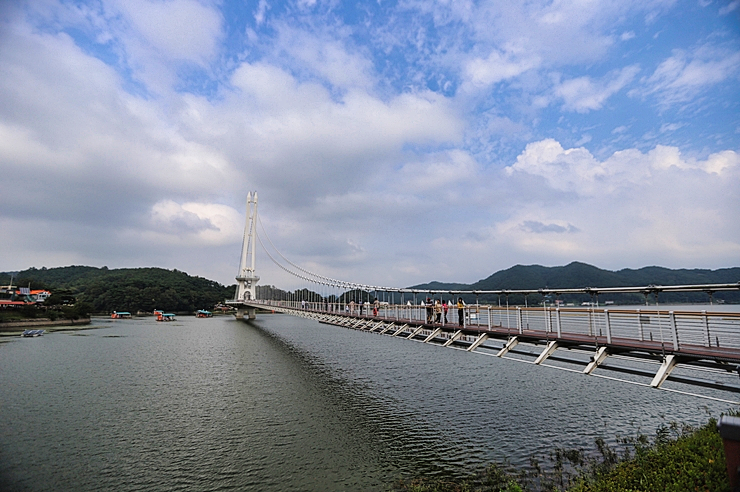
[(313, 277), (309, 276)]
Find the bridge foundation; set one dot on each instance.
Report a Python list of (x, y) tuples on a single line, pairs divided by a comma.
[(250, 312)]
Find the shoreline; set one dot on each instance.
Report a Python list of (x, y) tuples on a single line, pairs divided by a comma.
[(11, 328)]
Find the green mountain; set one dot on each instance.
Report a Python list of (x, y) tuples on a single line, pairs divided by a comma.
[(126, 289), (580, 275)]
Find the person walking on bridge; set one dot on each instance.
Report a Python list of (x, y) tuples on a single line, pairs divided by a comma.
[(460, 311), (446, 307), (437, 311)]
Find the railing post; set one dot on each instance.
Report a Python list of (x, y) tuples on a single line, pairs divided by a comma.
[(674, 329), (557, 321), (591, 322), (639, 323), (708, 343), (608, 326), (519, 321), (489, 318)]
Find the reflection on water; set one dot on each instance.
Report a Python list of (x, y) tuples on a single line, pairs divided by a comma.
[(283, 403)]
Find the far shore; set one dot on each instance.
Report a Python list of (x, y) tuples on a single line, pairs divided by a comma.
[(11, 328)]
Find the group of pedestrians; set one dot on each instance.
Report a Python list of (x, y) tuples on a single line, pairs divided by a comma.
[(437, 308), (350, 308)]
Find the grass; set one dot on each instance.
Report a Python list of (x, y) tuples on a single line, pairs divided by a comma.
[(678, 458)]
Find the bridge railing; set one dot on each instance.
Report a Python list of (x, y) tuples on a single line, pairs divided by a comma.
[(673, 328)]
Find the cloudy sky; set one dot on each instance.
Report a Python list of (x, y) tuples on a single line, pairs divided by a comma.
[(391, 142)]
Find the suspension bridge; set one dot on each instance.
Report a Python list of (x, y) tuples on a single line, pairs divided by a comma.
[(648, 345)]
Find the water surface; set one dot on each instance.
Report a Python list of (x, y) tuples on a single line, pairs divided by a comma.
[(284, 403)]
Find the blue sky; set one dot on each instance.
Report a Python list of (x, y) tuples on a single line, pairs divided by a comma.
[(391, 143)]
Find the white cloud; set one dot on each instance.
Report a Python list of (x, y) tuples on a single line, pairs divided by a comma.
[(176, 29), (578, 171), (620, 129), (206, 223), (294, 133), (358, 163), (437, 173), (497, 67), (89, 145), (324, 56), (685, 74), (622, 208), (730, 7), (259, 15), (583, 94), (671, 127)]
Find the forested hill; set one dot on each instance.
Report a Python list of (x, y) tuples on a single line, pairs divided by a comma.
[(127, 289), (580, 275)]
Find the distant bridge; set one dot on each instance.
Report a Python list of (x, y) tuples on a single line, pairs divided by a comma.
[(647, 343)]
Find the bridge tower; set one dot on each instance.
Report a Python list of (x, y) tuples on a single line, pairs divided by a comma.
[(246, 278)]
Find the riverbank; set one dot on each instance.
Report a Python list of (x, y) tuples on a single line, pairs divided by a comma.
[(10, 328), (679, 457)]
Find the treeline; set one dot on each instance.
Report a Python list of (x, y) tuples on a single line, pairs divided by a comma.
[(126, 289)]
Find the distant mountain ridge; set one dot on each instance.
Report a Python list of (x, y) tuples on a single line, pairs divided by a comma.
[(580, 275)]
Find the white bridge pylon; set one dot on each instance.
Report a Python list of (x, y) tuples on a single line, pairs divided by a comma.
[(246, 278)]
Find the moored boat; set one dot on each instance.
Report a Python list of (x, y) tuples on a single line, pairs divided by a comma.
[(32, 333), (202, 313)]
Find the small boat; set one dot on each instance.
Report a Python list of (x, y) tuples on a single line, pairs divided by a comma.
[(166, 317), (157, 312), (32, 333), (121, 315), (202, 313)]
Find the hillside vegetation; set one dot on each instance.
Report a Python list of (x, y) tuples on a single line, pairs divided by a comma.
[(126, 289)]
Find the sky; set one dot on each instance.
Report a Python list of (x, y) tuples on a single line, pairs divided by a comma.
[(390, 142)]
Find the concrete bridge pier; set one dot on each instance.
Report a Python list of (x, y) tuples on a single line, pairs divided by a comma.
[(249, 311)]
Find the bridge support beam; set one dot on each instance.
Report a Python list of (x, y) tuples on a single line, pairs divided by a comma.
[(513, 342), (387, 327), (454, 337), (549, 350), (415, 332), (477, 343), (400, 330), (378, 324), (432, 335), (596, 359), (665, 370)]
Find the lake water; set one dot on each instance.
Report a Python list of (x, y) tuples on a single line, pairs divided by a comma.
[(284, 403)]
